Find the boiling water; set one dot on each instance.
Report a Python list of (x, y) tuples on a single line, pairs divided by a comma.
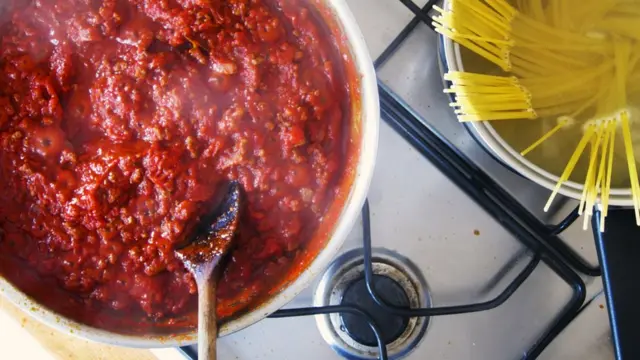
[(554, 153)]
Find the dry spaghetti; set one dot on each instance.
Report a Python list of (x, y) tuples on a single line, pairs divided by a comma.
[(573, 60)]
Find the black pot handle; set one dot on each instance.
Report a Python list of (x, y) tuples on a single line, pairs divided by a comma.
[(619, 254)]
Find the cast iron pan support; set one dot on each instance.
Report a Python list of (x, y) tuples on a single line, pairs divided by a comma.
[(619, 254)]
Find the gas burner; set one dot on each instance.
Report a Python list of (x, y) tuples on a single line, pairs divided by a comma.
[(397, 281)]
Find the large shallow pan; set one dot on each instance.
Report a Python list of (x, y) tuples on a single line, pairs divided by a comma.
[(363, 141)]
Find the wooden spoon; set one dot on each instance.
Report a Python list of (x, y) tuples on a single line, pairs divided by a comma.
[(202, 256)]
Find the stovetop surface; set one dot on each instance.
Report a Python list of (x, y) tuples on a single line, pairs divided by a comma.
[(464, 254)]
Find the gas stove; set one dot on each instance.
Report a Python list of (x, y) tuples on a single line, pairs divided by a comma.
[(453, 257)]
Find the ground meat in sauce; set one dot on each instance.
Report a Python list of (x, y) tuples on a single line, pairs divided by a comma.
[(120, 118)]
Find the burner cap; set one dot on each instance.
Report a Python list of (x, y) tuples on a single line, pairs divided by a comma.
[(390, 325), (396, 280)]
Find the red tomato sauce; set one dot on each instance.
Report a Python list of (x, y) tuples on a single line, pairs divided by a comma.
[(119, 119)]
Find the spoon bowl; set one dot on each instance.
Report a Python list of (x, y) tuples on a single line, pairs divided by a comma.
[(212, 240)]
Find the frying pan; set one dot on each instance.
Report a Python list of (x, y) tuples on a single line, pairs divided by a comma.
[(364, 140), (618, 247)]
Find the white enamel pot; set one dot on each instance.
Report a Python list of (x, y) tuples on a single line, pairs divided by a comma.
[(489, 139)]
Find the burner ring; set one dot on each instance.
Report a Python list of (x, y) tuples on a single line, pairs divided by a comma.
[(348, 269)]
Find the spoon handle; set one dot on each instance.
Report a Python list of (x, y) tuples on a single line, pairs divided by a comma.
[(207, 319)]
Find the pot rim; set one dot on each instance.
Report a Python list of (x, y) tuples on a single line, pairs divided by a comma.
[(363, 172), (500, 148)]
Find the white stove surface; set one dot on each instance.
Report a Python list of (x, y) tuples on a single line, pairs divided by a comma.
[(419, 213)]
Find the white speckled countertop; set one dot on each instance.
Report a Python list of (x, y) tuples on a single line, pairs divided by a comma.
[(22, 337)]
